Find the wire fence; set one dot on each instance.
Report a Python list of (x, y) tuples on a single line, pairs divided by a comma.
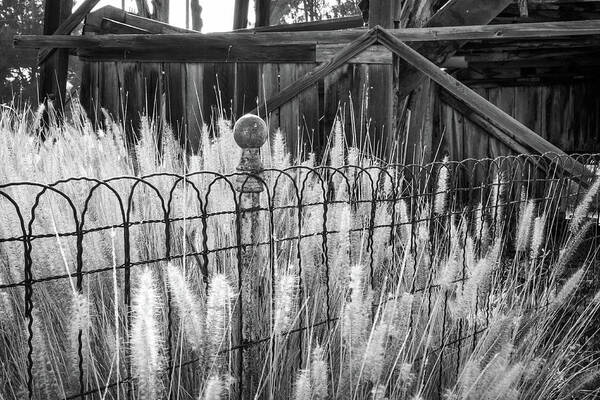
[(91, 236)]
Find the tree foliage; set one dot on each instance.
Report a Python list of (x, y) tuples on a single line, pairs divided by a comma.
[(18, 66), (289, 11)]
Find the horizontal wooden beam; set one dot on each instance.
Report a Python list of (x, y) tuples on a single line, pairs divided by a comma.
[(372, 55), (208, 54), (513, 129), (375, 55), (459, 33)]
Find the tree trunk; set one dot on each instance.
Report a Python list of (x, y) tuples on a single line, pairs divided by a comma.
[(53, 72), (196, 15), (161, 10), (142, 8)]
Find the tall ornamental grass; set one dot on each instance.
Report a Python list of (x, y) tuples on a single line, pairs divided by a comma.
[(419, 294)]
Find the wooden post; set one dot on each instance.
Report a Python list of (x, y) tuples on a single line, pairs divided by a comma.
[(263, 12), (250, 133), (240, 14), (53, 72), (380, 83)]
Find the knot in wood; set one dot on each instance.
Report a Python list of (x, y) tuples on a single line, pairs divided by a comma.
[(250, 132)]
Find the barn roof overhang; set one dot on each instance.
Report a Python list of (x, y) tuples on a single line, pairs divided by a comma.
[(543, 47), (437, 43)]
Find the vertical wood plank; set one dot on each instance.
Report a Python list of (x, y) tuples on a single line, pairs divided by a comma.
[(152, 88), (133, 89), (89, 90), (109, 90), (419, 140), (268, 87), (336, 98), (53, 72), (289, 118), (194, 100), (380, 105), (481, 139), (175, 89), (380, 82), (246, 88), (309, 113), (218, 89)]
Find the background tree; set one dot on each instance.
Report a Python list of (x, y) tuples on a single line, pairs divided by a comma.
[(157, 9), (196, 15), (18, 67), (289, 11)]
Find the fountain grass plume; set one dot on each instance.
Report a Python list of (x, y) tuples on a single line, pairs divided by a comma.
[(568, 287), (189, 308), (319, 374), (441, 192), (581, 211), (80, 324), (214, 389), (523, 237), (303, 390), (355, 314), (146, 339), (336, 152), (279, 155), (218, 316), (285, 303), (537, 239)]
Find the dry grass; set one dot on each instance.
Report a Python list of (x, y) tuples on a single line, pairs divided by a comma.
[(396, 296)]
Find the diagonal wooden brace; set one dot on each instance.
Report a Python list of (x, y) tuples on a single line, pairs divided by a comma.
[(514, 129)]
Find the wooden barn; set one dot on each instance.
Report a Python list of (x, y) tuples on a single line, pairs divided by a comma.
[(536, 63)]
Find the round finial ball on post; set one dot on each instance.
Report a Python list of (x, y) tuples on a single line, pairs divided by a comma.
[(250, 132)]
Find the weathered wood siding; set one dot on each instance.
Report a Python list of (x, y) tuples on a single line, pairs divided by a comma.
[(567, 115), (190, 94)]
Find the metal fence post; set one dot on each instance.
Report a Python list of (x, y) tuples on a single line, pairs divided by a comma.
[(250, 133)]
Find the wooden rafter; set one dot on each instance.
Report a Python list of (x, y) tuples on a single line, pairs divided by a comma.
[(514, 129), (453, 13), (512, 132), (354, 48)]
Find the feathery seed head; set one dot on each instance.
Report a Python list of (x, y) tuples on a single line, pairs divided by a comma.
[(539, 226), (285, 302), (280, 156), (524, 228), (303, 390), (214, 389), (569, 287), (580, 213), (188, 307), (442, 188), (218, 313), (318, 374), (378, 392), (336, 152), (146, 338)]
